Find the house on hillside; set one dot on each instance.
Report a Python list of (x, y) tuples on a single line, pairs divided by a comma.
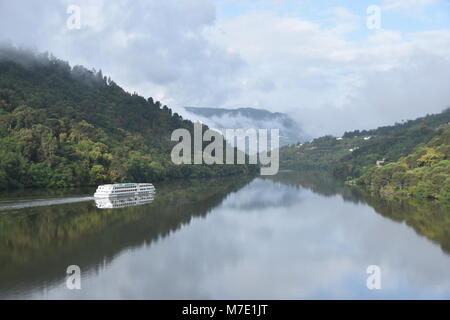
[(380, 163)]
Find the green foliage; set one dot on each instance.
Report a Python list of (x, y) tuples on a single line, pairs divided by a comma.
[(414, 156), (63, 126), (430, 157), (425, 173), (358, 151)]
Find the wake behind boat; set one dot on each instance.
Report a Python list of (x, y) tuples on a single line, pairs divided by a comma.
[(123, 190)]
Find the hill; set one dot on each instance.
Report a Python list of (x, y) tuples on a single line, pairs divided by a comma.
[(69, 126), (351, 155), (251, 118), (425, 173)]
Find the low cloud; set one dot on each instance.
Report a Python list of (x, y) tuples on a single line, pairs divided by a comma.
[(331, 74), (331, 84), (154, 47)]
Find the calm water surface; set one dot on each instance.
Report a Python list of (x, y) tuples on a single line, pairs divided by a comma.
[(294, 236)]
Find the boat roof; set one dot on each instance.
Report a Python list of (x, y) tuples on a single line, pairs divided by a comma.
[(124, 184)]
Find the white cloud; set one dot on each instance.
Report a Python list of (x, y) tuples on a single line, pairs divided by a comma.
[(318, 71), (332, 84), (406, 4), (154, 47)]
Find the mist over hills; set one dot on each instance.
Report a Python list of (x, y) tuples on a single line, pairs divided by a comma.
[(251, 118)]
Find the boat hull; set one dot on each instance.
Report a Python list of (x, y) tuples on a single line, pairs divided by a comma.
[(122, 202), (121, 195)]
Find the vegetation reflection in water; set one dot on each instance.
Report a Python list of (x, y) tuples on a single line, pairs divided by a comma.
[(428, 218), (123, 202), (37, 244)]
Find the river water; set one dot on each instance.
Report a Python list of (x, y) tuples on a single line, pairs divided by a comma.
[(293, 236)]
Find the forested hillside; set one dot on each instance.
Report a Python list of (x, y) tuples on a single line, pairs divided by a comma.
[(62, 126), (413, 157), (352, 154), (424, 173)]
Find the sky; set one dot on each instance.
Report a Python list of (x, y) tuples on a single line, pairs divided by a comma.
[(315, 60)]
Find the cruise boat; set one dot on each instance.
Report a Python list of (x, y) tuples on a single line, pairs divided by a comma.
[(123, 190)]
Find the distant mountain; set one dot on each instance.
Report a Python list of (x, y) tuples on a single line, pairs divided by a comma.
[(250, 118)]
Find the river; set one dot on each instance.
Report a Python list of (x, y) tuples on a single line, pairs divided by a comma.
[(293, 236)]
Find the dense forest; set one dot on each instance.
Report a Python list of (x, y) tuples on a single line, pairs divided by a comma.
[(410, 158), (69, 126), (424, 173)]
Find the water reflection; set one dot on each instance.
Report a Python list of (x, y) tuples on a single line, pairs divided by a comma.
[(290, 236), (38, 243), (123, 202), (428, 218), (319, 182)]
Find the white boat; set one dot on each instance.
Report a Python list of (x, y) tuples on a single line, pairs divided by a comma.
[(122, 202), (123, 190)]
